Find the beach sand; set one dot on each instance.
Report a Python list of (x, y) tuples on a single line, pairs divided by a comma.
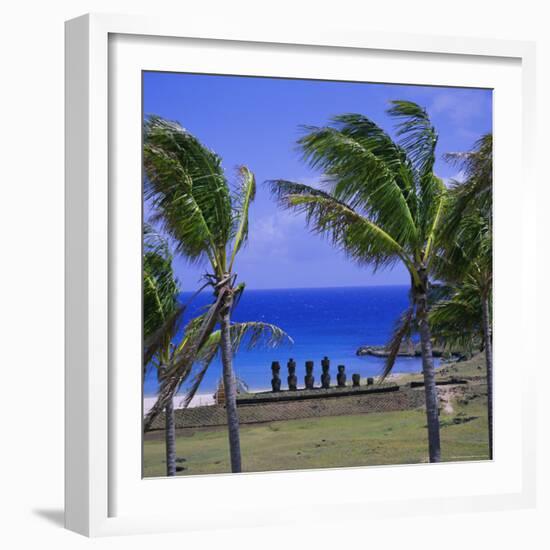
[(199, 400)]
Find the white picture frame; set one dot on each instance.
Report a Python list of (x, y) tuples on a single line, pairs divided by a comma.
[(104, 54)]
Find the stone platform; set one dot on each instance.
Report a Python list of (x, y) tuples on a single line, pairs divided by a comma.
[(289, 405)]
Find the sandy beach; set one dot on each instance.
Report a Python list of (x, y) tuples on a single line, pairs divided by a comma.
[(199, 400)]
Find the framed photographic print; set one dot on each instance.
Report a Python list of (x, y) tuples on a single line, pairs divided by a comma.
[(289, 274)]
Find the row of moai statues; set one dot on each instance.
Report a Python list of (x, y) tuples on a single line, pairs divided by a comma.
[(309, 379)]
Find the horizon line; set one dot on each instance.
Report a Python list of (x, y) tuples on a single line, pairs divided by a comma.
[(319, 287)]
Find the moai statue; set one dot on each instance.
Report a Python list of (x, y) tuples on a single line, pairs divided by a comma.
[(356, 379), (309, 380), (276, 380), (370, 381), (292, 378), (341, 376), (325, 377)]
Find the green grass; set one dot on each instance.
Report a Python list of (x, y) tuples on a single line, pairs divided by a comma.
[(344, 441)]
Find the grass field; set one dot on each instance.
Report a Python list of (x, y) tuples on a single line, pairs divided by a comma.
[(340, 441)]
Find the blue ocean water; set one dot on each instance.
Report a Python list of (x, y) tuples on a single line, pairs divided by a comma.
[(321, 321)]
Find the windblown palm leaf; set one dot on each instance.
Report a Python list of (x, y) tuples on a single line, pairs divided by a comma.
[(188, 190), (476, 165), (456, 323), (403, 328), (475, 194), (183, 360), (160, 288), (243, 197), (360, 178), (466, 250), (418, 136), (419, 140), (406, 326), (256, 334), (162, 337), (363, 240), (161, 311)]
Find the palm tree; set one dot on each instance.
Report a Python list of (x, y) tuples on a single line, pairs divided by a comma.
[(475, 193), (161, 312), (190, 193), (383, 205), (466, 251), (169, 352), (456, 319), (465, 317)]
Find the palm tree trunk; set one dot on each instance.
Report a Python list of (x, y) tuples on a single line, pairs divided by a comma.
[(487, 337), (170, 435), (428, 369), (169, 432), (230, 387)]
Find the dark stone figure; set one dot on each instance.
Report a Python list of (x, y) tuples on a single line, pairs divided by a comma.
[(325, 377), (309, 380), (370, 381), (292, 378), (276, 380), (341, 376), (356, 379)]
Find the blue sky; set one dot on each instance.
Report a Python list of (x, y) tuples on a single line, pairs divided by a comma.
[(256, 121)]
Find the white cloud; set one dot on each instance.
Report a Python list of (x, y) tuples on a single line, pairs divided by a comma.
[(462, 112), (458, 177), (272, 234), (459, 110)]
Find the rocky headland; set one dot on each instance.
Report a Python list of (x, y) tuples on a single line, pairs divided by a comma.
[(407, 349)]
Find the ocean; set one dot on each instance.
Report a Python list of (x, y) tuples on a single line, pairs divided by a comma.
[(330, 322)]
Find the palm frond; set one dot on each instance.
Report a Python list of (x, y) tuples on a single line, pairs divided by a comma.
[(466, 247), (376, 140), (456, 323), (438, 292), (418, 137), (161, 311), (475, 194), (359, 237), (256, 333), (207, 354), (244, 196), (402, 329), (195, 385), (361, 178), (163, 336), (183, 360), (238, 292), (187, 188), (160, 286), (476, 164), (433, 215), (155, 243)]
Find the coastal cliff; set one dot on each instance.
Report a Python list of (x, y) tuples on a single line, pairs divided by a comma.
[(407, 349)]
